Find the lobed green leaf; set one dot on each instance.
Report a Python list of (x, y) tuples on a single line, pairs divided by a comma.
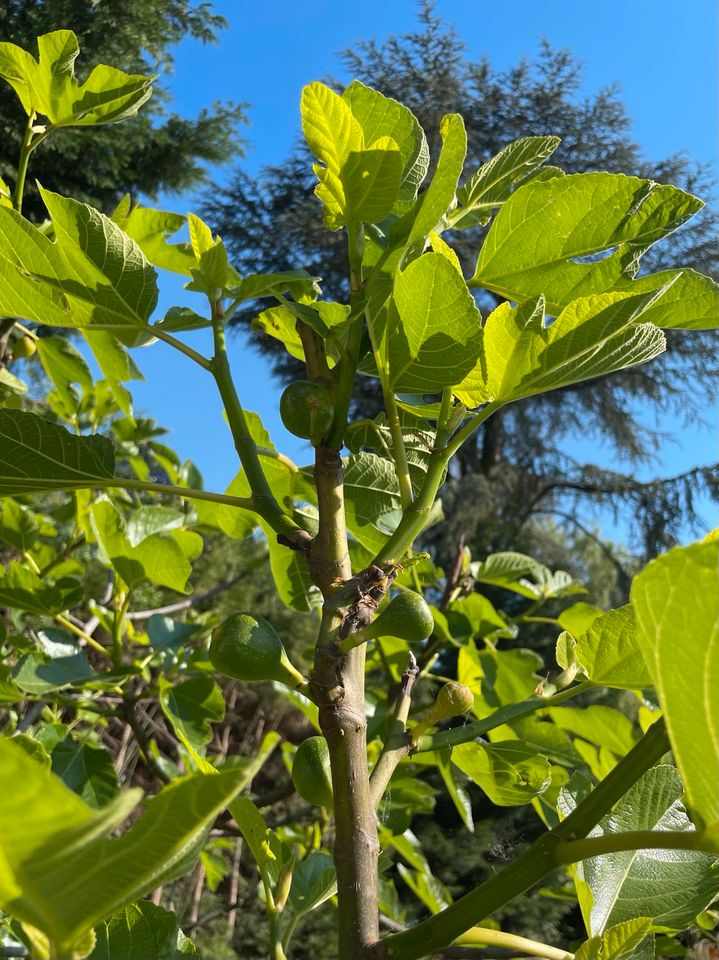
[(493, 183), (139, 931), (591, 337), (47, 86), (92, 275), (380, 117)]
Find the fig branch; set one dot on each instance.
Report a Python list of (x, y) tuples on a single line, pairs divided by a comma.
[(263, 500), (415, 517)]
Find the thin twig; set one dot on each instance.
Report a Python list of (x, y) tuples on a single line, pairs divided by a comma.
[(454, 575), (197, 893), (143, 741), (212, 915), (30, 717), (390, 757), (187, 601)]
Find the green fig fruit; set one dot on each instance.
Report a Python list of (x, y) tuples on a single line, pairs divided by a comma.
[(406, 617), (453, 700), (306, 410), (23, 347), (247, 648), (311, 772)]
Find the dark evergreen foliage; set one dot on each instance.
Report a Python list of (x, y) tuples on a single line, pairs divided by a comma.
[(159, 150)]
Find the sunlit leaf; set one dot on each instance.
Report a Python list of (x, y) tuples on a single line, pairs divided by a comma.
[(541, 232), (37, 455), (676, 602), (493, 183), (48, 86), (66, 872), (91, 275)]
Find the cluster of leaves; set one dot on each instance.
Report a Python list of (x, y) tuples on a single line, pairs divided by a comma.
[(82, 658), (522, 464)]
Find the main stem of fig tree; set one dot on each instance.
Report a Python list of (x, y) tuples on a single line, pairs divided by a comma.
[(337, 683), (338, 679)]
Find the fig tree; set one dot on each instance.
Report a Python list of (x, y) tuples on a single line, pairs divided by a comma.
[(306, 410), (311, 773), (247, 648)]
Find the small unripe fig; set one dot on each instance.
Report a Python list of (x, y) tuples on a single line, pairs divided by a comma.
[(23, 347), (306, 410), (311, 773), (248, 648), (406, 617), (453, 700)]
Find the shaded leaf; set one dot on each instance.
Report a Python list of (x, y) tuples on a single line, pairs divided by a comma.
[(86, 769), (191, 706), (291, 574), (60, 663), (139, 932), (166, 633), (313, 882), (64, 365), (671, 887), (298, 283), (18, 525), (460, 797), (23, 589), (426, 887), (372, 500)]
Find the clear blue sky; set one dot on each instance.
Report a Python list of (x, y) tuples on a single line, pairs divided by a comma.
[(662, 54)]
